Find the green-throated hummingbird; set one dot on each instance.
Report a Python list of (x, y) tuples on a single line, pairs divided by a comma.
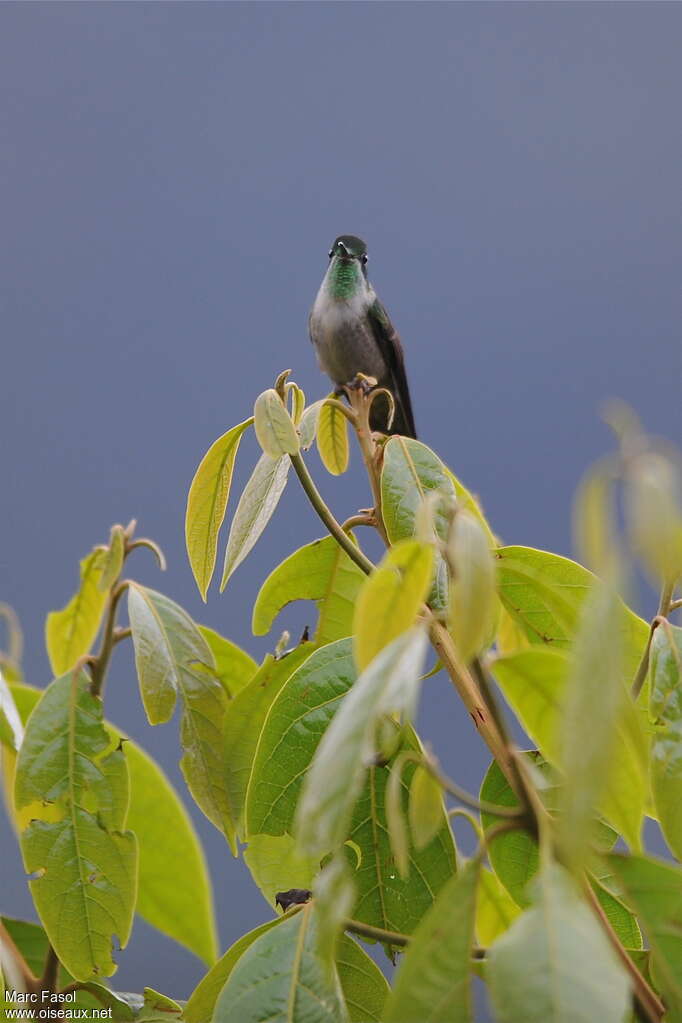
[(352, 333)]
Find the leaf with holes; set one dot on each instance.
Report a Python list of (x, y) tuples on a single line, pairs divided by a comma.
[(77, 788), (320, 571)]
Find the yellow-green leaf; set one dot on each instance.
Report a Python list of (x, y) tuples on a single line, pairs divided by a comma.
[(666, 741), (332, 439), (473, 598), (390, 598), (255, 509), (320, 571), (173, 659), (275, 430), (112, 558), (495, 908), (70, 633), (76, 842), (207, 502), (425, 808), (233, 666)]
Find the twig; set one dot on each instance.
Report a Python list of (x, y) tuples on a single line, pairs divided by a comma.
[(48, 981), (334, 527), (101, 662), (665, 605)]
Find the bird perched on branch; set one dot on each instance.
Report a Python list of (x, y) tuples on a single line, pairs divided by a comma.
[(353, 334)]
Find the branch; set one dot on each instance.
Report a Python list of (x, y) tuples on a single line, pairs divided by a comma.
[(647, 1003)]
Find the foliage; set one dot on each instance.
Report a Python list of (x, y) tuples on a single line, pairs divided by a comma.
[(310, 760)]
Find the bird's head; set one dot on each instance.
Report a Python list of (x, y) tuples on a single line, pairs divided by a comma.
[(348, 248)]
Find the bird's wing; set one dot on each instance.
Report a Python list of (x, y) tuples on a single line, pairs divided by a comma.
[(392, 350)]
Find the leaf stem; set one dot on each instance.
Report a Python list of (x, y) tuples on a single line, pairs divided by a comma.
[(334, 527), (377, 933), (101, 662), (675, 605), (460, 794), (665, 606)]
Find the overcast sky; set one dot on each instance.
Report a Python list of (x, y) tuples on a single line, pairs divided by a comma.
[(172, 177)]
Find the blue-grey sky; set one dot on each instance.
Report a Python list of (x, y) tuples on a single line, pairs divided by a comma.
[(172, 176)]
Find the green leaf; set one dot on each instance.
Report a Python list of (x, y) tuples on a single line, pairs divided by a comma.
[(174, 885), (334, 894), (336, 775), (653, 504), (280, 977), (332, 439), (320, 571), (398, 835), (514, 855), (432, 983), (555, 962), (11, 728), (70, 633), (276, 865), (391, 597), (256, 505), (112, 558), (307, 427), (201, 1004), (174, 888), (207, 502), (666, 743), (87, 864), (244, 719), (473, 600), (169, 655), (411, 472), (589, 711), (33, 943), (495, 909), (534, 683), (544, 593), (233, 666), (654, 891), (426, 807), (295, 724), (363, 984), (275, 430)]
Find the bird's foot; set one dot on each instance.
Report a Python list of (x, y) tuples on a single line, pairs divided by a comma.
[(361, 382)]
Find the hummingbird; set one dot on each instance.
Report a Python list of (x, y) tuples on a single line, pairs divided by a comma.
[(352, 333)]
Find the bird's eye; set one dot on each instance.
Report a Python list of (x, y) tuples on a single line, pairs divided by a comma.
[(331, 253), (364, 259)]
